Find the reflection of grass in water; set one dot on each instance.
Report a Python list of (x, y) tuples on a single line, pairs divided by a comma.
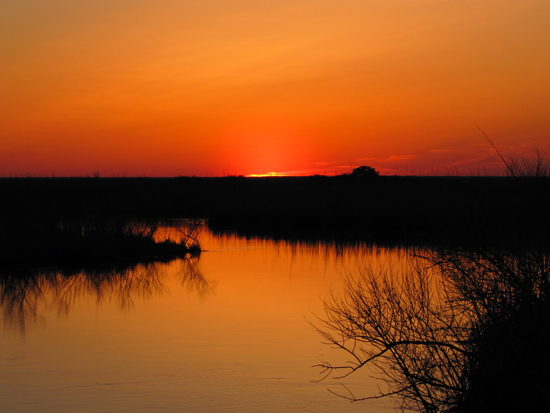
[(25, 293), (191, 276)]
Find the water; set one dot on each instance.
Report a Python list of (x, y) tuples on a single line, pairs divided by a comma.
[(229, 332)]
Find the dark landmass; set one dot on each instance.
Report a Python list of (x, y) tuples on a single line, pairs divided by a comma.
[(69, 242), (491, 235), (399, 210)]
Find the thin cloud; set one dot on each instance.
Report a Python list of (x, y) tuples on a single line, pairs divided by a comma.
[(391, 158), (442, 150), (471, 161), (396, 158)]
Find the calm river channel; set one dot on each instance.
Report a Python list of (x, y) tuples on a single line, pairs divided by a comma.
[(228, 332)]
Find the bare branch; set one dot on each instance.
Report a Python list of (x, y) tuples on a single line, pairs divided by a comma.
[(430, 329)]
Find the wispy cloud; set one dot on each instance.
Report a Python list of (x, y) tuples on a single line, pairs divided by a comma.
[(476, 160), (396, 158), (387, 159), (442, 150)]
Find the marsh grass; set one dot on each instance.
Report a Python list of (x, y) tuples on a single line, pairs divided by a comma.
[(399, 210), (537, 166)]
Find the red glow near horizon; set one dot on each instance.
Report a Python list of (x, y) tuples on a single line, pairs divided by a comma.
[(292, 88)]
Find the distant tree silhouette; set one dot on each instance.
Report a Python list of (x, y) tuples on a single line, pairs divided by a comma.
[(365, 172)]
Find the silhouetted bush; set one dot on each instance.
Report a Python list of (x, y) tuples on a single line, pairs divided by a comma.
[(465, 332), (365, 172)]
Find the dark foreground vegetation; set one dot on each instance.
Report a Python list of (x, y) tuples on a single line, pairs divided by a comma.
[(98, 241), (464, 331), (406, 210)]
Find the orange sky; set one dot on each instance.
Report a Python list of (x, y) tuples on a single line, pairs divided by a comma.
[(219, 87)]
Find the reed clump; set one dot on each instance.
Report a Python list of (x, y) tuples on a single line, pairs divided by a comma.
[(534, 167)]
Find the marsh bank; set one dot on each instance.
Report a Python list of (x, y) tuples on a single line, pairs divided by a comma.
[(386, 209)]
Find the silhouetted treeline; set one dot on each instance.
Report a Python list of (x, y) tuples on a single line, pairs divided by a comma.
[(387, 209)]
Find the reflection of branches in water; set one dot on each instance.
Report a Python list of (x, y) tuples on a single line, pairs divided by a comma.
[(23, 292), (143, 280), (192, 277)]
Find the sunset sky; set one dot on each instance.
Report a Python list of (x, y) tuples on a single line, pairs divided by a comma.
[(240, 87)]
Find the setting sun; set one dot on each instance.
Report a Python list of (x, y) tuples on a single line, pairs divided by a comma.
[(267, 175), (259, 149)]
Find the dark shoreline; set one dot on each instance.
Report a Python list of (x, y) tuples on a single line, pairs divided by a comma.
[(80, 242), (393, 210)]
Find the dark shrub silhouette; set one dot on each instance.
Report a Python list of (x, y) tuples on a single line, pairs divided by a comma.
[(365, 172), (466, 332)]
